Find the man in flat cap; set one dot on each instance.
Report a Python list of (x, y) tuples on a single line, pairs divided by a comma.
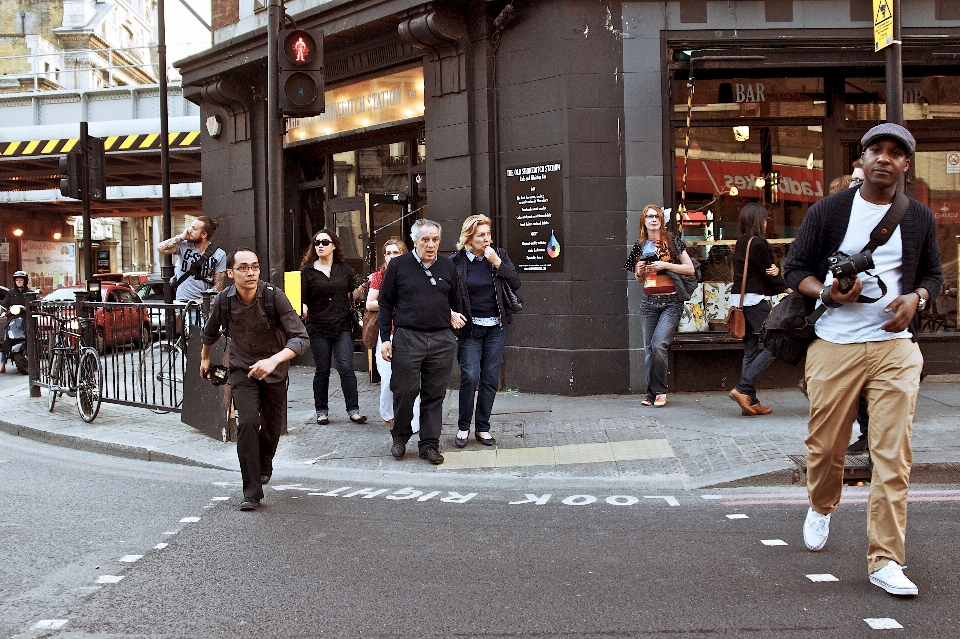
[(867, 341)]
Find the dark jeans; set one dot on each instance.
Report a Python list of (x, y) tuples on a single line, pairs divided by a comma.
[(863, 417), (260, 410), (755, 361), (341, 350), (422, 362), (659, 318), (480, 356)]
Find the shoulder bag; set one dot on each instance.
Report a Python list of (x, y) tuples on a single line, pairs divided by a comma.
[(736, 322), (512, 301), (789, 329)]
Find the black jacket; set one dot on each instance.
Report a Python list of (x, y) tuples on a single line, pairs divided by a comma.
[(761, 257), (823, 230), (506, 272)]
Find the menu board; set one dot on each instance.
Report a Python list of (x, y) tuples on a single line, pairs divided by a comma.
[(50, 265), (535, 217)]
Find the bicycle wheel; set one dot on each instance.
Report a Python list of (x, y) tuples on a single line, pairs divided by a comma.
[(161, 376), (89, 385)]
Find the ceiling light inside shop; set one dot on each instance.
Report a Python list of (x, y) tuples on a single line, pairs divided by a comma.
[(734, 191), (760, 182), (17, 232), (57, 235), (741, 133), (810, 161)]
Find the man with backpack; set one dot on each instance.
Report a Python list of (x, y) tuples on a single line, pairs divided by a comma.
[(264, 333), (866, 341)]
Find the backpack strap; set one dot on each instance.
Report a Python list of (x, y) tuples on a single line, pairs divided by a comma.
[(224, 312), (269, 302), (891, 220)]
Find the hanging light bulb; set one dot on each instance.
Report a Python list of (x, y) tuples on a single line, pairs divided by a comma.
[(734, 191), (810, 161), (741, 133), (760, 182)]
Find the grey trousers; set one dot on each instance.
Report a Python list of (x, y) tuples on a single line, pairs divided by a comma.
[(422, 363)]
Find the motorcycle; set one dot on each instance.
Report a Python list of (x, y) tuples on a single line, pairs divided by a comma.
[(16, 336)]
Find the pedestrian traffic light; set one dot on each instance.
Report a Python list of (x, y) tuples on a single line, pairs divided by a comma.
[(96, 175), (301, 72), (71, 165)]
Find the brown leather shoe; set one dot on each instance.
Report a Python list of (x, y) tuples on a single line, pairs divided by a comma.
[(745, 401), (760, 409)]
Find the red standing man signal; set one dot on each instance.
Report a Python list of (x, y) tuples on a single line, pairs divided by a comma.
[(301, 49)]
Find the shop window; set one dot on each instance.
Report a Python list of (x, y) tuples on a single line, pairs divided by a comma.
[(924, 98), (935, 181), (752, 98), (378, 169), (727, 167)]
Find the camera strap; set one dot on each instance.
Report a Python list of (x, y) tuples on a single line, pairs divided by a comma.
[(882, 232)]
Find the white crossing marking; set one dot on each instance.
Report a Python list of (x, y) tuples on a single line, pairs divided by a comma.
[(51, 624), (130, 558), (738, 516), (219, 498), (170, 532), (189, 520), (711, 496), (667, 498), (773, 542), (161, 546), (822, 577), (108, 579), (883, 623)]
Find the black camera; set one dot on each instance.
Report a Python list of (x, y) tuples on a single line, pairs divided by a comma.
[(219, 375), (650, 254), (845, 267)]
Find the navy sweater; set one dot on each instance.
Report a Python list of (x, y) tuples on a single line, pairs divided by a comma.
[(408, 299), (823, 230)]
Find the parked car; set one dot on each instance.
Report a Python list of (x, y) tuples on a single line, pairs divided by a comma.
[(115, 326)]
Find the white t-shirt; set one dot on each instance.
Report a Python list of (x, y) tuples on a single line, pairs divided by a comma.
[(856, 323)]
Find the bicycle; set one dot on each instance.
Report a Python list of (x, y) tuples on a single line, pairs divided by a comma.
[(74, 367), (163, 366)]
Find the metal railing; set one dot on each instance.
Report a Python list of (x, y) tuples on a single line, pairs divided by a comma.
[(143, 363), (114, 62)]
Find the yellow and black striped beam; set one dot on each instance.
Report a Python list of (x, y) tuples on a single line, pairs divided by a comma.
[(138, 142)]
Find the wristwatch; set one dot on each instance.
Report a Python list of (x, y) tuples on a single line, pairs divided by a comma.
[(827, 300), (923, 301)]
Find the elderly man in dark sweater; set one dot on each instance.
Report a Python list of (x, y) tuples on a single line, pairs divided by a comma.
[(866, 343), (418, 307)]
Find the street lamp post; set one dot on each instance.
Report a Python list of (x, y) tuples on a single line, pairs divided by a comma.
[(166, 264)]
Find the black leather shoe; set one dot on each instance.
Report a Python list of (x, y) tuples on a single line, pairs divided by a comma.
[(264, 479), (460, 442), (858, 447), (358, 419), (398, 450), (432, 455), (249, 504), (486, 441), (323, 420)]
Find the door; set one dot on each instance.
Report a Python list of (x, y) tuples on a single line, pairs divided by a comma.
[(363, 223)]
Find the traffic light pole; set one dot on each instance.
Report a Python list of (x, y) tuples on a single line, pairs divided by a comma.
[(166, 263), (894, 60), (275, 226), (85, 205)]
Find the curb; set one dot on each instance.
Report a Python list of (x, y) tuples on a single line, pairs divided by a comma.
[(104, 448)]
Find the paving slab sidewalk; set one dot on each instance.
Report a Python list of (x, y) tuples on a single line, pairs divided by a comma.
[(697, 440)]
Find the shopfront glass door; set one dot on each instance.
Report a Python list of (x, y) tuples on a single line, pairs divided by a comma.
[(364, 223)]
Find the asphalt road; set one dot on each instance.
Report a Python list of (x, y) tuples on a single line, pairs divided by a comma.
[(374, 561)]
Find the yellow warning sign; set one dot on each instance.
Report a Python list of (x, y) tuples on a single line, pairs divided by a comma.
[(882, 24)]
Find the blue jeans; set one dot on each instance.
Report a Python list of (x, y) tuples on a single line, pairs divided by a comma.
[(755, 361), (659, 318), (480, 356), (340, 349)]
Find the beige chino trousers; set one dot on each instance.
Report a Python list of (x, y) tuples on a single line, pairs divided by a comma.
[(889, 372)]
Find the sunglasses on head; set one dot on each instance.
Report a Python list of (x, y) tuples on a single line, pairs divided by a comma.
[(322, 242)]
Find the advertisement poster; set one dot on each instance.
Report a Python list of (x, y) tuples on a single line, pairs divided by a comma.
[(50, 265), (535, 217)]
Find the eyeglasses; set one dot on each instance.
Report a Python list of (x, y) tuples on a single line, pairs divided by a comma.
[(247, 268), (430, 275), (654, 216), (856, 181), (323, 242)]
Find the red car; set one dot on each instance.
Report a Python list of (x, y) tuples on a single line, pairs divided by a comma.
[(122, 325)]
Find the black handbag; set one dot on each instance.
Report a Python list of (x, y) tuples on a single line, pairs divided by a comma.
[(511, 299), (789, 329)]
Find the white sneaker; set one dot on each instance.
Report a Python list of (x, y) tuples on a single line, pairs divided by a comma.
[(661, 400), (816, 529), (892, 579)]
